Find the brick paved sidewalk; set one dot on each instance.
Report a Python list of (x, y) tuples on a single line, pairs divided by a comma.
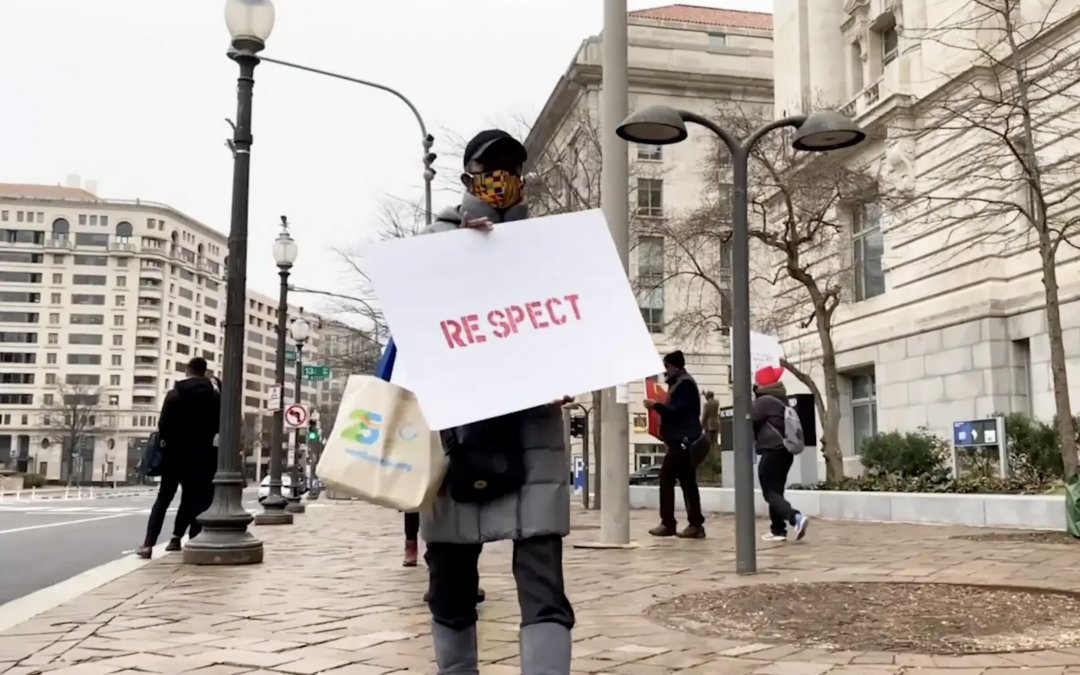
[(332, 597)]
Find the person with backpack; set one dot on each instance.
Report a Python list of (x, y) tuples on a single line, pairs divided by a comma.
[(687, 446), (778, 438)]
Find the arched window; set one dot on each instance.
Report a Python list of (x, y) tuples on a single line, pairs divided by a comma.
[(124, 231), (60, 228)]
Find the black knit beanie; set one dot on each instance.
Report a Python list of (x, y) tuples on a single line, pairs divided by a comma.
[(676, 359)]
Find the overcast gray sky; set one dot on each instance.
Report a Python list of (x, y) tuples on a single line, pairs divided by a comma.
[(134, 93)]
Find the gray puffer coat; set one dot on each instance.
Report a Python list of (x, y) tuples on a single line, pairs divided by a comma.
[(542, 506)]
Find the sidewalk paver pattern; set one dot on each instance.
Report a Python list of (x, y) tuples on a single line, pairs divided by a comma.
[(332, 598)]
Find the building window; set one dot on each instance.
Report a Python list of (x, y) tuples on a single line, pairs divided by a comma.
[(118, 320), (50, 358), (647, 454), (890, 40), (863, 409), (650, 153), (58, 278), (60, 228), (650, 197), (87, 299), (124, 231), (869, 245), (117, 359), (114, 381), (650, 277), (121, 281), (50, 378), (641, 423), (118, 340), (717, 41)]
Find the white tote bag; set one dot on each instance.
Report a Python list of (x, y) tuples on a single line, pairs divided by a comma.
[(381, 450)]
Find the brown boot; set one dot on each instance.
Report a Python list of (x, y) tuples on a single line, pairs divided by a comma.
[(662, 531), (411, 554), (692, 532)]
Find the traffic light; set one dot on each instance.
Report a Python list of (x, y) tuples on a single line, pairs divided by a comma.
[(312, 431), (577, 426)]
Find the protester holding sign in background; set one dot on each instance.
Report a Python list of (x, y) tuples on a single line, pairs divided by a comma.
[(507, 478), (768, 415), (687, 447)]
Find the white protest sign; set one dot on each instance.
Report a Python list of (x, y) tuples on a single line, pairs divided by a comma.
[(765, 351), (487, 323)]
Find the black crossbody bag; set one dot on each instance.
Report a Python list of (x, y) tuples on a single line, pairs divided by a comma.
[(487, 459)]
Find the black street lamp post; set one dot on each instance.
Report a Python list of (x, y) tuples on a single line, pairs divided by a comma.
[(225, 539), (299, 330), (817, 132), (274, 512)]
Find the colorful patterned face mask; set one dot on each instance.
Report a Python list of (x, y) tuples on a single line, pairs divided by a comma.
[(498, 189)]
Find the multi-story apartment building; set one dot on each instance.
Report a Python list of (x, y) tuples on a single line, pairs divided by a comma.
[(102, 303), (347, 351), (260, 354), (945, 319), (692, 58)]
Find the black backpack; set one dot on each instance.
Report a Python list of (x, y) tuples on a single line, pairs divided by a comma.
[(153, 459), (487, 459)]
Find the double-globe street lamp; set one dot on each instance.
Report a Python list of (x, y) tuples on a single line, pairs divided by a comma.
[(274, 506), (299, 331), (817, 132), (225, 539)]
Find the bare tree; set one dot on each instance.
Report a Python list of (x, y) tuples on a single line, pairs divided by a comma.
[(76, 411), (564, 176), (1014, 111), (802, 271)]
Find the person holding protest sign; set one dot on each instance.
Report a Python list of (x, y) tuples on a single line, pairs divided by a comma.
[(507, 478), (687, 447)]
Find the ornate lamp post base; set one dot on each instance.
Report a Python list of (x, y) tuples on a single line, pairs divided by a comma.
[(294, 505), (274, 512), (225, 539)]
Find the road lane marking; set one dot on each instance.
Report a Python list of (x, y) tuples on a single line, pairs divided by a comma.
[(21, 609), (43, 526)]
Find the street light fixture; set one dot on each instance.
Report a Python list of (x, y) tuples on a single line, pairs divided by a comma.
[(427, 141), (299, 331), (285, 253), (817, 132), (225, 539)]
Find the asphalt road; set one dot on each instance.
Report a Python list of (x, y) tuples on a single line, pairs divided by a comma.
[(47, 541)]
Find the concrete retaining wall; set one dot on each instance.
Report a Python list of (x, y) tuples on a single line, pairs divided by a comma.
[(1029, 512)]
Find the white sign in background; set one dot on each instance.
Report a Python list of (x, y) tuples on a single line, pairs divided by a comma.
[(585, 331), (765, 350)]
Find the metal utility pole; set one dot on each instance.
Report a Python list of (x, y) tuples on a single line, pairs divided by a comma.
[(615, 421), (597, 443)]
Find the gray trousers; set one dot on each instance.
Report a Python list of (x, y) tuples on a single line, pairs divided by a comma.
[(538, 572)]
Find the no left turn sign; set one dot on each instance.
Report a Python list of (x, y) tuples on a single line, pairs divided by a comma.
[(296, 415)]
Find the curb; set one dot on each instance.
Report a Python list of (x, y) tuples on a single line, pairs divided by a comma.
[(22, 609)]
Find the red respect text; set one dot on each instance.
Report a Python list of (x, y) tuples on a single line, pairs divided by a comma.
[(505, 322)]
